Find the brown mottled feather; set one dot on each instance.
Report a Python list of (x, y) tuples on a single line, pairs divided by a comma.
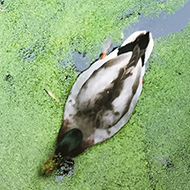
[(90, 115), (102, 99)]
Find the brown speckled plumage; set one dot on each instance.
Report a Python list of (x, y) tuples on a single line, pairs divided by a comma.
[(103, 97)]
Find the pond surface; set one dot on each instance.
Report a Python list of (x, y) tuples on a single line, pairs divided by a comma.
[(163, 25), (159, 26)]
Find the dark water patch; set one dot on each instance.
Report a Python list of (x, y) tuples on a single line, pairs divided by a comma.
[(30, 53), (2, 2), (63, 64), (66, 62), (66, 167), (113, 46), (80, 60), (125, 15), (159, 26), (163, 25)]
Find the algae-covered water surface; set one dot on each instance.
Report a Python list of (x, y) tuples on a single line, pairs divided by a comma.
[(37, 39)]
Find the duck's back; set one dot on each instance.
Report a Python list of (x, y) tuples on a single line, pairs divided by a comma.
[(104, 96)]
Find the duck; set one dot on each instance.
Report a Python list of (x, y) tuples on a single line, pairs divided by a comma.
[(102, 99)]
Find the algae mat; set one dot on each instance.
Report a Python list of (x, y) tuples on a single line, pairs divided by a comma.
[(150, 152)]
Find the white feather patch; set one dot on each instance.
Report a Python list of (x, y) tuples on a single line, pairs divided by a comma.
[(101, 81)]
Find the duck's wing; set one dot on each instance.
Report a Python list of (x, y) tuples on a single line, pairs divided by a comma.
[(104, 96), (107, 83), (108, 94), (124, 104), (126, 47)]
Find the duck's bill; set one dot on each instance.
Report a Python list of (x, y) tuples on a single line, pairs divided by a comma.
[(51, 164)]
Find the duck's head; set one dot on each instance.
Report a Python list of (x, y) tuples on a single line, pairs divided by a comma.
[(69, 143)]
